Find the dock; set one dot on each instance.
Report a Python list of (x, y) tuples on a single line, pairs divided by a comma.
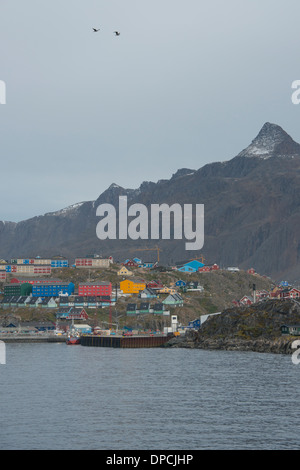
[(33, 339), (141, 341)]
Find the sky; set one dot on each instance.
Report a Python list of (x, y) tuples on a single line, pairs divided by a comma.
[(185, 84)]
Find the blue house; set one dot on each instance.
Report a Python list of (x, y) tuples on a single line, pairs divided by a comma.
[(195, 324), (191, 267), (180, 283)]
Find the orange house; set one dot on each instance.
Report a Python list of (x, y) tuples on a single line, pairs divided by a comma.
[(132, 286)]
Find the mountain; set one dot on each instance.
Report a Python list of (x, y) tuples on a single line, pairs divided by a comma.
[(252, 214)]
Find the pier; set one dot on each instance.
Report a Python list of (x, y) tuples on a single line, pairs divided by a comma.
[(33, 339), (124, 341)]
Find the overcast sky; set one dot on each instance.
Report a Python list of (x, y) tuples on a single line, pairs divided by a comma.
[(187, 82)]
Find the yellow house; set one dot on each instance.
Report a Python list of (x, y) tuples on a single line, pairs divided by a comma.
[(133, 286), (124, 272), (167, 290)]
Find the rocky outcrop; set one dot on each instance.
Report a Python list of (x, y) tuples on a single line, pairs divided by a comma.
[(256, 328)]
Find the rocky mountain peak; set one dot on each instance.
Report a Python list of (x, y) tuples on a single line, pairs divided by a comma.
[(271, 141)]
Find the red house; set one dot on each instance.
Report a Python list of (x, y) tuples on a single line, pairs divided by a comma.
[(95, 289), (77, 314), (246, 300), (131, 264), (251, 271), (155, 284), (214, 267), (204, 269)]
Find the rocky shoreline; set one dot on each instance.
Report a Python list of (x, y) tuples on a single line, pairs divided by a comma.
[(262, 345), (256, 328)]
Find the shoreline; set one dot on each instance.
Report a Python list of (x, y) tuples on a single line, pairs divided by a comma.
[(280, 345)]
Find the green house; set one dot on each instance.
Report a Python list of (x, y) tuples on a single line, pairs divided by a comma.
[(293, 330)]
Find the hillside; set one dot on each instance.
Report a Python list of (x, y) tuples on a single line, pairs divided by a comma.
[(220, 289)]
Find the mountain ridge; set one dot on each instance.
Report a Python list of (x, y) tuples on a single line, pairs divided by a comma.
[(252, 210)]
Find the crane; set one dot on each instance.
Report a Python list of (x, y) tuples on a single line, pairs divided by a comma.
[(156, 248), (201, 257)]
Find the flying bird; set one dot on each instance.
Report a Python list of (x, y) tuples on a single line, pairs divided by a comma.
[(117, 33), (96, 30)]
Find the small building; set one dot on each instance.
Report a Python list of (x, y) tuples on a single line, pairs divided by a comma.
[(195, 324), (124, 272), (129, 263), (72, 313), (191, 267), (48, 302), (158, 309), (148, 264), (204, 269), (247, 300), (167, 290), (180, 283), (251, 271), (294, 293), (293, 330), (174, 300), (144, 307), (155, 284), (131, 309), (147, 294)]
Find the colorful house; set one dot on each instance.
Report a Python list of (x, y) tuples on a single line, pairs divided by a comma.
[(167, 290), (155, 284), (130, 263), (132, 286), (72, 313), (124, 272), (147, 294), (174, 300), (246, 300), (204, 269), (191, 267), (180, 283)]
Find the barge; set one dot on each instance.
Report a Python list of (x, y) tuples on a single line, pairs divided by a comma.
[(113, 341)]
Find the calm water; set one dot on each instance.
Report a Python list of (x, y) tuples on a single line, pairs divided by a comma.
[(54, 396)]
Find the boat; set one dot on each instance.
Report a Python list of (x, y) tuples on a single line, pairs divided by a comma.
[(73, 337), (73, 340)]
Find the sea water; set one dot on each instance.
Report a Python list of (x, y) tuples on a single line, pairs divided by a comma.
[(55, 396)]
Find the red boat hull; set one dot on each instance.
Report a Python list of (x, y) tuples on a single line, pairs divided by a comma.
[(73, 341)]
